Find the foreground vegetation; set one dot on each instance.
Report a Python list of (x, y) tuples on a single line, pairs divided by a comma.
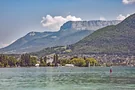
[(81, 62), (26, 60), (11, 61)]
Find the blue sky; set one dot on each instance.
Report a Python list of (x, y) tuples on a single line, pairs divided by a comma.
[(18, 17)]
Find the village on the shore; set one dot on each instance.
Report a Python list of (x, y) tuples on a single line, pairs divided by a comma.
[(55, 60)]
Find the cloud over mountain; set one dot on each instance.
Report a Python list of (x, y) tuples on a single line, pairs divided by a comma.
[(122, 17), (54, 23), (102, 18), (128, 1)]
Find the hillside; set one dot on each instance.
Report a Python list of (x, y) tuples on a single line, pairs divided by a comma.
[(115, 39), (70, 33)]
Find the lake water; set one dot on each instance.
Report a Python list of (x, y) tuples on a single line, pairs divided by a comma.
[(67, 78)]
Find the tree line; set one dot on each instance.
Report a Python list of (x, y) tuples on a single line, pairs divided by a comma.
[(80, 62), (11, 61), (26, 60)]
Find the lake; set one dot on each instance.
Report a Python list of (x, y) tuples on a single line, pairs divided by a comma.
[(67, 78)]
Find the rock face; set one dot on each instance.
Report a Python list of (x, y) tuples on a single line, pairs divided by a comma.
[(71, 32), (115, 39), (88, 25)]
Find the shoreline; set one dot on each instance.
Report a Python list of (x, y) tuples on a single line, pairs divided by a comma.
[(67, 67)]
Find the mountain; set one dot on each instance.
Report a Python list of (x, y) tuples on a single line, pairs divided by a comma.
[(114, 39), (71, 32), (88, 25)]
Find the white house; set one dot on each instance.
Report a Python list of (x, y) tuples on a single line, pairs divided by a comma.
[(69, 65), (37, 65)]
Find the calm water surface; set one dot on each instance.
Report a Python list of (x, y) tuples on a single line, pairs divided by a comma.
[(67, 78)]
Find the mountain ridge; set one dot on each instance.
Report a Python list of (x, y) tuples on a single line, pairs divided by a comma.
[(88, 25), (115, 39), (67, 35)]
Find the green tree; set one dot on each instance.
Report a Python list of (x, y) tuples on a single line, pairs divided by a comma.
[(1, 64), (45, 59), (42, 62), (55, 60), (12, 61), (78, 62), (33, 61), (64, 61), (4, 60), (25, 60), (92, 61), (18, 62), (22, 60)]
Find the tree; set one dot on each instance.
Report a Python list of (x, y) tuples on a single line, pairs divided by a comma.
[(12, 61), (33, 61), (4, 60), (78, 62), (92, 61), (18, 62), (1, 64), (55, 60), (45, 59), (64, 61), (22, 60), (42, 62), (25, 60)]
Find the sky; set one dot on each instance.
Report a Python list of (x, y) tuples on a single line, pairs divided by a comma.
[(19, 17)]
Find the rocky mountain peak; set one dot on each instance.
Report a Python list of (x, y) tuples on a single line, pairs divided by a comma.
[(87, 25)]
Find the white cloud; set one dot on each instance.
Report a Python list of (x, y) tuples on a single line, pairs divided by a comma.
[(54, 23), (122, 17), (128, 1), (102, 18)]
